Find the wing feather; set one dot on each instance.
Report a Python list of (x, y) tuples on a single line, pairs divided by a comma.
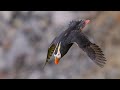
[(91, 49)]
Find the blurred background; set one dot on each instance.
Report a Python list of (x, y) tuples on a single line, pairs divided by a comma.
[(26, 35)]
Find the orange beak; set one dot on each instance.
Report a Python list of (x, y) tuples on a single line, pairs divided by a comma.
[(56, 60)]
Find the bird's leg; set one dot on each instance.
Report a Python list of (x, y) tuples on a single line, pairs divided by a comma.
[(87, 21)]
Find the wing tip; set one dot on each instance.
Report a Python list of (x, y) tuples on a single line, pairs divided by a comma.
[(100, 59)]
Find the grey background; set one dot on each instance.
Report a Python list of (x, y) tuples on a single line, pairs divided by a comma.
[(25, 37)]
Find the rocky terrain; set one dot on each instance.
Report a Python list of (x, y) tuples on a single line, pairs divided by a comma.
[(25, 37)]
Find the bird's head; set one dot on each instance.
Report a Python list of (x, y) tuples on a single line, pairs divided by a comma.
[(78, 25), (57, 53)]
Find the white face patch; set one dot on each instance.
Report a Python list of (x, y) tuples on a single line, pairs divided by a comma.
[(56, 47), (58, 55), (75, 43)]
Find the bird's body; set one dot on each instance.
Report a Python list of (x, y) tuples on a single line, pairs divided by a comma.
[(62, 43)]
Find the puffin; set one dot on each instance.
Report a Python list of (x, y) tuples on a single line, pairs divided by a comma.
[(74, 35)]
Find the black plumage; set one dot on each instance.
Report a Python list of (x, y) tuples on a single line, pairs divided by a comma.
[(74, 35)]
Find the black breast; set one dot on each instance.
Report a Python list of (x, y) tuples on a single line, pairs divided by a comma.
[(64, 49), (65, 45)]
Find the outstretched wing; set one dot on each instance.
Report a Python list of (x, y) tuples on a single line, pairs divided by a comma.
[(92, 50), (51, 49)]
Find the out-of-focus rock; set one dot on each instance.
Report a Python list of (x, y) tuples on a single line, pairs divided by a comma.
[(25, 37)]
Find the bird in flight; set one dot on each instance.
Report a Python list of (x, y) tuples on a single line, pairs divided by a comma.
[(73, 35)]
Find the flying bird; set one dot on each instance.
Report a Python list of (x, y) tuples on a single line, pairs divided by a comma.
[(73, 35)]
